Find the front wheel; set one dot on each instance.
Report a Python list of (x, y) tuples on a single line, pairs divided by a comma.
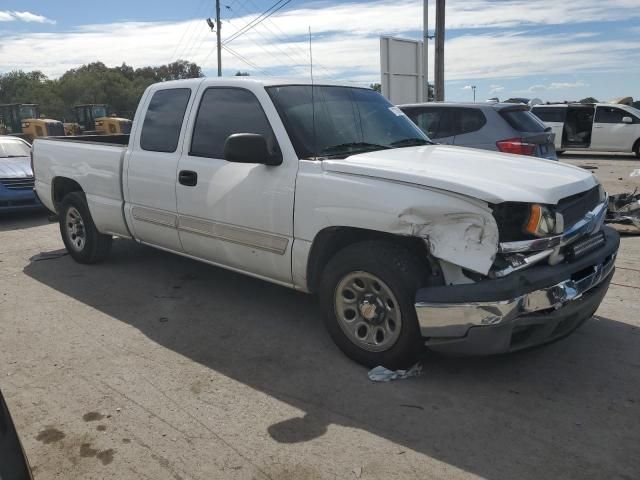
[(81, 237), (367, 292)]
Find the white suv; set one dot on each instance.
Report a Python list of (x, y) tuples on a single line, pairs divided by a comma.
[(600, 126)]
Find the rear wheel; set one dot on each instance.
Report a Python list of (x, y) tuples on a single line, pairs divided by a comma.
[(79, 234), (636, 149), (367, 292)]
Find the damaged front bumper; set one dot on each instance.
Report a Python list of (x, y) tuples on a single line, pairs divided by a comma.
[(518, 311)]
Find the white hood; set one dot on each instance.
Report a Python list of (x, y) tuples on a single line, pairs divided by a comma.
[(490, 176)]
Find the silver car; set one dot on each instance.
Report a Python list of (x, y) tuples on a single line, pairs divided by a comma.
[(504, 127)]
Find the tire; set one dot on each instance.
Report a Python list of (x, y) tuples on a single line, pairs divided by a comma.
[(636, 150), (79, 234), (356, 316)]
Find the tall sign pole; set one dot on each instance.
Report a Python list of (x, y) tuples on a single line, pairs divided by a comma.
[(425, 51), (439, 62), (218, 29)]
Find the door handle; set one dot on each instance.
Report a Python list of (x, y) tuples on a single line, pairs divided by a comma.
[(188, 178)]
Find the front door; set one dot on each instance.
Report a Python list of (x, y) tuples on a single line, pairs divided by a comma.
[(610, 133), (150, 189), (236, 215)]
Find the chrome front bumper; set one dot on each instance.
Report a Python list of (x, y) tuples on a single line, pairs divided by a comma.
[(455, 318)]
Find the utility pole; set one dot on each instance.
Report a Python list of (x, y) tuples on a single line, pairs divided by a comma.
[(473, 87), (439, 63), (218, 33), (425, 50)]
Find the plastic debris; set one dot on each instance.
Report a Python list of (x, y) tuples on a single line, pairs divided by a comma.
[(382, 374), (624, 208), (635, 173)]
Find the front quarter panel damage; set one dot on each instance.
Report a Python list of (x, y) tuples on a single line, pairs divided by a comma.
[(469, 240)]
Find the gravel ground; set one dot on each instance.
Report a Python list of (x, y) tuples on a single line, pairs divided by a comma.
[(154, 366)]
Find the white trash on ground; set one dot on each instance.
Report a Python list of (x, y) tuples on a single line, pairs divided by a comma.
[(635, 173), (382, 374)]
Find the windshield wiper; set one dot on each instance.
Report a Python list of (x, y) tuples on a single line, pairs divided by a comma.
[(344, 148), (410, 142)]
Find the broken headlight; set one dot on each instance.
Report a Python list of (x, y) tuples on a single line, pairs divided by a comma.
[(525, 221), (541, 222)]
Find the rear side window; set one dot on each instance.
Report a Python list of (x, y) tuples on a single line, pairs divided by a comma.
[(223, 112), (610, 115), (469, 120), (435, 122), (523, 121), (550, 114), (163, 120)]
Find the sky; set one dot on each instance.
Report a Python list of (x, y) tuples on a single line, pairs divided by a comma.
[(550, 49)]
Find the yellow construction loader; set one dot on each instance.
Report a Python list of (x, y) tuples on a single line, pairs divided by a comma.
[(23, 120), (93, 119)]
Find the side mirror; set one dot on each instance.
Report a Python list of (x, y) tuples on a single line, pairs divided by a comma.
[(249, 148), (627, 120)]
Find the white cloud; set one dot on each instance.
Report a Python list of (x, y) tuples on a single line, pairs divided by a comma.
[(537, 88), (566, 85), (467, 87), (11, 16), (344, 49), (557, 86)]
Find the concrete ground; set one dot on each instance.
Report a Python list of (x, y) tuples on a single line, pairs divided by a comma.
[(154, 366)]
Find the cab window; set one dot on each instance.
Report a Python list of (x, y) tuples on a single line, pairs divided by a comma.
[(435, 122), (163, 120), (224, 111)]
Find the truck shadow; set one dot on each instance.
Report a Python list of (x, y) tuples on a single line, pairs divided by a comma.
[(569, 410), (22, 220)]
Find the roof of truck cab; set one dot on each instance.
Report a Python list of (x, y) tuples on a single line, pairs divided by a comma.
[(246, 80), (493, 105)]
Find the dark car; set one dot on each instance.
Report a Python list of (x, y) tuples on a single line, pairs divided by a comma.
[(16, 176), (503, 127), (13, 463)]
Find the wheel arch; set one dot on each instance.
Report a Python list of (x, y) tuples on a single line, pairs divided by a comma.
[(331, 240), (62, 186)]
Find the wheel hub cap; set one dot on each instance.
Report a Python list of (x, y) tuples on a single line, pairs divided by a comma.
[(367, 311)]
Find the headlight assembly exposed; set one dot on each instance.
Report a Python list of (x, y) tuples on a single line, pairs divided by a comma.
[(541, 222)]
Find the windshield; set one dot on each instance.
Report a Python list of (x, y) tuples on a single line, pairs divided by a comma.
[(99, 112), (28, 112), (347, 121), (10, 148)]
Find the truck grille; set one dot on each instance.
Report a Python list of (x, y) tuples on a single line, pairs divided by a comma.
[(24, 183), (575, 207)]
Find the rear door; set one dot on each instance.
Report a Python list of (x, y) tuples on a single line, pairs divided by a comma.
[(610, 133), (237, 215), (151, 168), (552, 117), (436, 122), (531, 130)]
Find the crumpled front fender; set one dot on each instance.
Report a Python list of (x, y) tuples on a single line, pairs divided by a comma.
[(469, 240)]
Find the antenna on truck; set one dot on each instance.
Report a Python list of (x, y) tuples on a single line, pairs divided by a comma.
[(313, 103)]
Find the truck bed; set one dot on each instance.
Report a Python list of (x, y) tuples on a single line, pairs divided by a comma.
[(120, 140), (95, 163)]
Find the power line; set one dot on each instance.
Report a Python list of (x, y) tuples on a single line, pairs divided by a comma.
[(261, 18), (245, 60), (300, 50)]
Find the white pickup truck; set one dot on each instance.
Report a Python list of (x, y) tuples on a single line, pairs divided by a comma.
[(330, 189)]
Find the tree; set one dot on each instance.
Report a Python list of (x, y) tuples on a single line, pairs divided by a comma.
[(119, 87), (376, 86), (242, 74), (588, 100)]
